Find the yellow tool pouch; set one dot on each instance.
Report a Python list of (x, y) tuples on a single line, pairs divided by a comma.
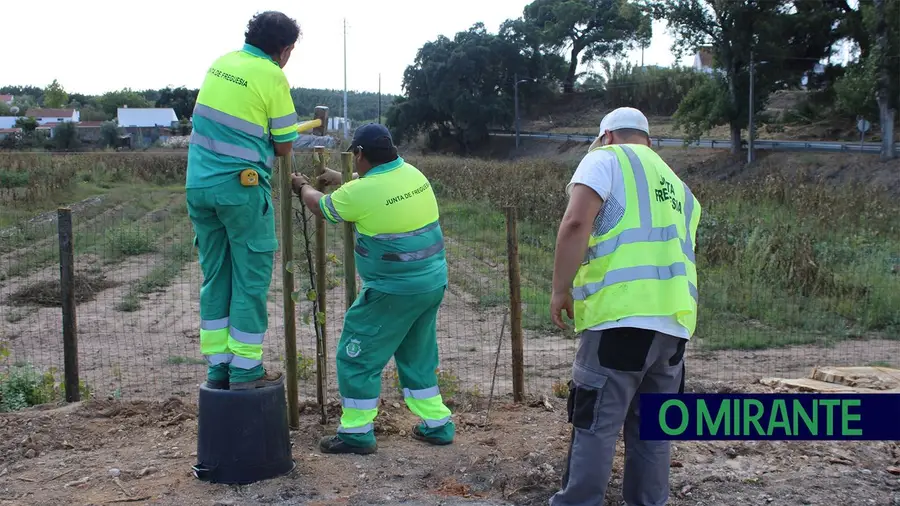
[(249, 177)]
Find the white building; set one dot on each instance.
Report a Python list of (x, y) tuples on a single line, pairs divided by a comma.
[(53, 116), (129, 117), (337, 123), (8, 121), (703, 60)]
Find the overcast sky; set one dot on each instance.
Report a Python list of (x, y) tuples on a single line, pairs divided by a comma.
[(95, 46)]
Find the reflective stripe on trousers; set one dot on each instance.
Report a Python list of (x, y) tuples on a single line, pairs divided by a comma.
[(214, 341), (247, 348), (428, 405), (645, 232), (357, 415), (228, 149)]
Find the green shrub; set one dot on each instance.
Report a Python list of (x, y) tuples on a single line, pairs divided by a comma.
[(129, 240), (656, 91)]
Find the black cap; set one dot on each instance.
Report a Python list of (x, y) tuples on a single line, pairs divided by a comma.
[(372, 136)]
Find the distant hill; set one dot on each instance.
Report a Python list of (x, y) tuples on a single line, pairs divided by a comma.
[(361, 106)]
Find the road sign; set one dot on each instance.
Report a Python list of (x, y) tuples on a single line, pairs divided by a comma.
[(863, 126)]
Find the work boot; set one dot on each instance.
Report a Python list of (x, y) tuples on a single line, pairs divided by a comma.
[(336, 445), (268, 379), (217, 384), (417, 433)]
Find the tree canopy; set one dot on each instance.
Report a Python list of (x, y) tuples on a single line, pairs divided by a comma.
[(587, 29), (460, 87)]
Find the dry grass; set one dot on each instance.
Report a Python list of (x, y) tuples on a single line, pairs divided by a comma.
[(781, 260)]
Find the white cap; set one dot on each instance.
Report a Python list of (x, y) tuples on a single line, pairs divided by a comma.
[(625, 117)]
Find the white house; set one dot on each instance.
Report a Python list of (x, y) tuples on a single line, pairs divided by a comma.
[(703, 60), (47, 116), (8, 121), (129, 117)]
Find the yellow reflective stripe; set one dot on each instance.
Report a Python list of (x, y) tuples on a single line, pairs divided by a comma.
[(228, 120), (213, 341), (355, 420)]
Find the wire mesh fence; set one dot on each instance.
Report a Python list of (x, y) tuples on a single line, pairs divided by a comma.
[(137, 287)]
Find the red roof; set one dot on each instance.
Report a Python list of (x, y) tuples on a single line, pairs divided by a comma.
[(50, 113), (6, 98), (9, 130)]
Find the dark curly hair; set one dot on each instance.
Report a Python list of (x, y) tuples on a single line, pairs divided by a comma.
[(271, 31)]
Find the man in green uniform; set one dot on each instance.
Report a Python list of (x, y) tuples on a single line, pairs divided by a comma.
[(244, 116), (400, 258)]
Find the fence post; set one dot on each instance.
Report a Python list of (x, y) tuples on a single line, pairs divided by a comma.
[(67, 301), (321, 287), (287, 273), (349, 261), (515, 305)]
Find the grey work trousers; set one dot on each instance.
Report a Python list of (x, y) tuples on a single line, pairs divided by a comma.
[(612, 367)]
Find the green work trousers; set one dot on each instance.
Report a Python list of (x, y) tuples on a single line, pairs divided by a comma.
[(376, 327), (235, 236)]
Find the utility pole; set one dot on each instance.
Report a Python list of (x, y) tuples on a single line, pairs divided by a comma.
[(346, 124), (379, 98), (516, 101), (751, 126)]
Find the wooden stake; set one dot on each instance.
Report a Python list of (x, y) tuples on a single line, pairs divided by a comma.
[(515, 306), (321, 288), (290, 308), (67, 301), (349, 242)]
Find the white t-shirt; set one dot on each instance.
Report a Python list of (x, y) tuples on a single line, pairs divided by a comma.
[(600, 171)]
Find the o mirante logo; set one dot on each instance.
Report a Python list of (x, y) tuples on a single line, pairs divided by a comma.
[(770, 416)]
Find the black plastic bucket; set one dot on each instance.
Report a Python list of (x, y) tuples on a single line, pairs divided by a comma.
[(242, 435)]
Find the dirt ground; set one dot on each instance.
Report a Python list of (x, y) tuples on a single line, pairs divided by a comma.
[(109, 452)]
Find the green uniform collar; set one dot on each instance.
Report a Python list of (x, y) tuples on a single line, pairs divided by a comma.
[(385, 167), (255, 51)]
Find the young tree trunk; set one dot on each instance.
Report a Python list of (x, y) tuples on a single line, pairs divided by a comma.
[(735, 126), (886, 115), (735, 138), (569, 84)]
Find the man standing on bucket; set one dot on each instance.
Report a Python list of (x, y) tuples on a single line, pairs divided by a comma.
[(244, 116), (400, 258), (625, 254)]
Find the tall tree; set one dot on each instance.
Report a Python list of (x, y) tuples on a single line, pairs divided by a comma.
[(180, 99), (587, 29), (110, 101), (787, 38), (883, 87), (458, 88), (55, 96)]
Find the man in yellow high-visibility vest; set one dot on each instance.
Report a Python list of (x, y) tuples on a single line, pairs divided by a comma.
[(244, 116), (625, 267)]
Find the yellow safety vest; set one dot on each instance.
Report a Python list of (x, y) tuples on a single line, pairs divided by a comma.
[(645, 265)]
